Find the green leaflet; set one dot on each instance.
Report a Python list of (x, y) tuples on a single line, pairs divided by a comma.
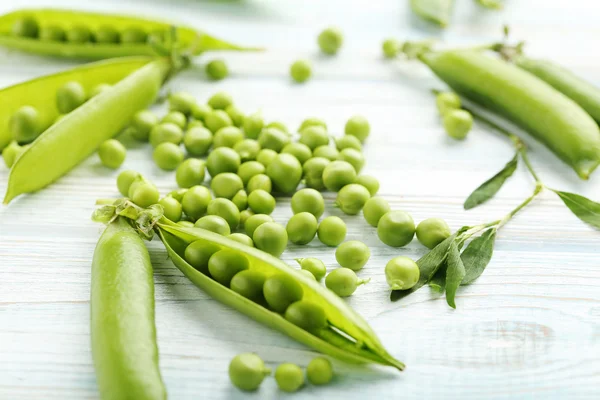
[(437, 11), (489, 188), (493, 4), (454, 273), (477, 255), (438, 282), (586, 210)]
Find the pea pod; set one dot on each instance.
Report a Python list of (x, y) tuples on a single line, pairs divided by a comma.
[(550, 116), (122, 317), (436, 11), (188, 38), (69, 141)]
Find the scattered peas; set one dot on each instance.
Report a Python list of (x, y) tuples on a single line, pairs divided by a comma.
[(220, 101), (243, 239), (432, 232), (458, 123), (352, 254), (314, 266), (300, 71), (182, 102), (302, 228), (308, 200), (190, 173), (253, 125), (338, 174), (217, 70), (172, 208), (247, 371), (358, 126), (112, 153), (198, 253), (52, 33), (370, 182), (352, 198), (195, 201), (244, 215), (254, 221), (285, 172), (314, 136), (227, 136), (374, 209), (165, 132), (248, 149), (348, 142), (273, 139), (312, 121), (396, 228), (225, 209), (301, 151), (354, 157), (197, 141), (313, 172), (194, 123), (226, 184), (200, 111), (289, 377), (307, 315), (332, 231), (328, 152), (70, 96), (330, 40), (26, 27), (266, 156), (25, 124), (177, 118), (391, 48), (168, 156), (79, 34), (261, 202), (222, 159), (144, 195), (402, 273), (237, 116), (343, 281), (248, 283), (215, 224), (319, 371), (241, 200), (271, 238), (280, 291), (107, 34), (259, 182), (279, 126), (249, 169), (217, 119), (142, 123), (125, 179), (447, 101)]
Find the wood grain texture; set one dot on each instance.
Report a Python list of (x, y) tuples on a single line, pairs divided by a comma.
[(529, 328)]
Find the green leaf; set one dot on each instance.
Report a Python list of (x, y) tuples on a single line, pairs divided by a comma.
[(454, 273), (438, 282), (493, 4), (489, 188), (586, 210), (477, 255)]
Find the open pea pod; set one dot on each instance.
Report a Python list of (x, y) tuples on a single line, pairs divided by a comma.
[(348, 337), (187, 37)]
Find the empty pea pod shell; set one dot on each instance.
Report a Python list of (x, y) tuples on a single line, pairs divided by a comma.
[(69, 141), (547, 114), (188, 38), (436, 11)]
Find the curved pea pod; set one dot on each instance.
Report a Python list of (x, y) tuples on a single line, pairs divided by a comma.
[(436, 11), (187, 37), (550, 116), (348, 337), (72, 139), (123, 332)]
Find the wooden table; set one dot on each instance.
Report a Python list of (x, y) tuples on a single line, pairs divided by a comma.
[(529, 328)]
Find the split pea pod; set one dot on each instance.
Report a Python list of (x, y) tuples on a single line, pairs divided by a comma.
[(550, 116), (72, 139), (123, 332), (107, 35)]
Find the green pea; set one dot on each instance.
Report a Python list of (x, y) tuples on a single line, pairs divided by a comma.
[(312, 121), (249, 283), (300, 71), (26, 26), (225, 209), (249, 169), (390, 48), (302, 228), (313, 172), (247, 371), (100, 88), (217, 70), (228, 136), (107, 34), (358, 126), (70, 96), (328, 152), (352, 198), (307, 315), (195, 201), (343, 281), (200, 111), (280, 291), (396, 228), (142, 123), (374, 209), (352, 254), (314, 266), (338, 174), (354, 157), (247, 240), (331, 231), (259, 182), (25, 124), (198, 253), (308, 274), (225, 264), (447, 101), (188, 224), (266, 156), (197, 141), (314, 136), (241, 200), (245, 215), (177, 118), (432, 232), (273, 139), (79, 34), (254, 221), (237, 116), (220, 101), (261, 202), (217, 119), (181, 102), (279, 126), (135, 183), (165, 132), (172, 208), (134, 35), (112, 153), (308, 200), (145, 195), (370, 182), (215, 224), (52, 33), (285, 172), (348, 142), (253, 125), (178, 194), (330, 40), (270, 237), (11, 153), (319, 371), (222, 159), (194, 123), (168, 156), (301, 151), (458, 123), (226, 184), (125, 179), (402, 273), (190, 173)]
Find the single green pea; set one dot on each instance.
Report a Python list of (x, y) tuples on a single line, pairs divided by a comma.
[(217, 119), (178, 194), (352, 198), (352, 254), (285, 172), (101, 88), (172, 208), (197, 141), (237, 116), (307, 315), (432, 232), (273, 139), (188, 224), (254, 221), (247, 371), (247, 240), (224, 264), (25, 124), (249, 283), (181, 102), (266, 156), (241, 200), (107, 34), (198, 253), (227, 136), (222, 159), (225, 209), (70, 96), (302, 228), (308, 274), (168, 156), (319, 371), (52, 33), (396, 228), (390, 48), (280, 291), (220, 101), (226, 185), (145, 195), (289, 377), (354, 157), (332, 231), (261, 202), (194, 123), (27, 26), (313, 172), (249, 169), (11, 153), (343, 281), (308, 200), (112, 153), (314, 266), (244, 216), (447, 101), (301, 70), (177, 118), (330, 40), (348, 142), (278, 125), (301, 151), (338, 174), (215, 224), (374, 209), (134, 35), (402, 273), (253, 125), (125, 179), (370, 182), (142, 123), (137, 181), (190, 173), (312, 121), (314, 136), (165, 132), (358, 126), (259, 182), (195, 201), (458, 123), (79, 34), (328, 152), (270, 237), (200, 111), (217, 70)]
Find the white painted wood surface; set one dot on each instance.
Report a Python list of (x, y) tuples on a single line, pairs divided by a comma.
[(529, 328)]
